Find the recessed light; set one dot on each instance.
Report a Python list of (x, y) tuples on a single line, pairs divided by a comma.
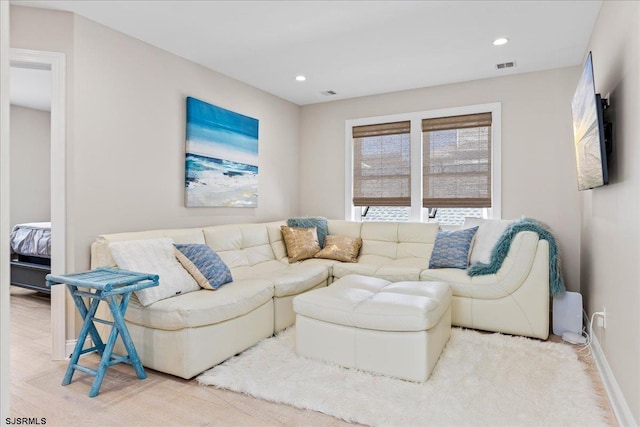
[(500, 41), (301, 78)]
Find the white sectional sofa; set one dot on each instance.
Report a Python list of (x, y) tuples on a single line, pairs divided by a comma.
[(189, 333)]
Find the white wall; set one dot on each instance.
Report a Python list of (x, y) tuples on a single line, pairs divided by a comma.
[(129, 157), (538, 162), (126, 132), (611, 224), (30, 165)]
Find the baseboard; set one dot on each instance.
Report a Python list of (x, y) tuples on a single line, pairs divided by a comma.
[(70, 345), (68, 348), (618, 403)]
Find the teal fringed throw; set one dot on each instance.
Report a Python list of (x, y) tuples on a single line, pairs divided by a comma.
[(500, 250)]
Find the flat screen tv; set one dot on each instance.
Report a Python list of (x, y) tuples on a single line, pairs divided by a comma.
[(587, 108)]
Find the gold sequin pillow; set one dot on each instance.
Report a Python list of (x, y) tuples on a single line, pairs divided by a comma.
[(301, 243), (341, 248)]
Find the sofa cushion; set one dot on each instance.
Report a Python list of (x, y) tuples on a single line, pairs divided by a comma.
[(301, 243), (258, 270), (320, 223), (154, 256), (344, 228), (364, 269), (203, 307), (296, 278), (240, 244), (390, 271), (451, 249), (204, 265), (287, 279), (276, 241), (397, 240), (397, 273), (480, 287), (327, 263), (341, 248)]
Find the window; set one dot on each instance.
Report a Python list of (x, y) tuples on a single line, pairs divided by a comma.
[(456, 216), (456, 166), (385, 213), (382, 164), (439, 166)]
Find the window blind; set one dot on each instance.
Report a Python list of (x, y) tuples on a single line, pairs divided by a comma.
[(382, 164), (456, 164)]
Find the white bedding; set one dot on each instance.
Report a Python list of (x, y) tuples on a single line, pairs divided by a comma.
[(32, 239)]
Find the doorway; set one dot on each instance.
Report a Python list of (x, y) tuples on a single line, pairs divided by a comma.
[(54, 63)]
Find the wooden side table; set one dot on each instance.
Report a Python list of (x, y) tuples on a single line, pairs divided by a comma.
[(103, 284)]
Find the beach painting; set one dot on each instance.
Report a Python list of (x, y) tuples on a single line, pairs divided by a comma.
[(221, 168)]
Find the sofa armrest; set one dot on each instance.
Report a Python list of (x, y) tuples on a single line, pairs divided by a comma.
[(519, 262)]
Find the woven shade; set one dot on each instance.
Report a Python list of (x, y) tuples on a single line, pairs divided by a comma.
[(457, 122), (457, 161), (382, 164), (382, 129)]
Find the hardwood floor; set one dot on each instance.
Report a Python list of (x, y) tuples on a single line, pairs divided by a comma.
[(160, 400)]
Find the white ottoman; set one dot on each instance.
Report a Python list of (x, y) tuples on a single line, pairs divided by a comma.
[(396, 329)]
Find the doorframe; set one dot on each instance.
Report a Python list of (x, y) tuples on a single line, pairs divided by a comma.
[(5, 307), (55, 62)]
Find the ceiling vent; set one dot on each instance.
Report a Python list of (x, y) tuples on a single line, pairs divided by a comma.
[(328, 93), (505, 65)]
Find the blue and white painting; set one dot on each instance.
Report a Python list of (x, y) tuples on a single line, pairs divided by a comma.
[(222, 157)]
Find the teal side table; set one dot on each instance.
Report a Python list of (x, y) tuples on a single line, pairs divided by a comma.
[(109, 285)]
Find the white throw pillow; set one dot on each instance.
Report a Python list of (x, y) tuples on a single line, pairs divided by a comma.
[(488, 234), (154, 256)]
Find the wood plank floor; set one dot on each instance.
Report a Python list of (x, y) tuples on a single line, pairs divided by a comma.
[(160, 400)]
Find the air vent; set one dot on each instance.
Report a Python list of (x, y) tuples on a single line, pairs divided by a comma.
[(505, 65), (328, 93)]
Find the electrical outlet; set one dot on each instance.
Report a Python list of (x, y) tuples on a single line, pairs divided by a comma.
[(602, 318)]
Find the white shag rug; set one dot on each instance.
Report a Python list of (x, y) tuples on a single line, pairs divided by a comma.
[(480, 380)]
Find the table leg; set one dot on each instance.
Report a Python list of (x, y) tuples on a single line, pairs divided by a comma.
[(104, 361), (86, 327), (82, 309), (118, 319)]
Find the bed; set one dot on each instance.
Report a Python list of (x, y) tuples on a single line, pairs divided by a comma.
[(31, 255)]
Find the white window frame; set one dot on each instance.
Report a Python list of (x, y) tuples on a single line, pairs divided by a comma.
[(417, 212)]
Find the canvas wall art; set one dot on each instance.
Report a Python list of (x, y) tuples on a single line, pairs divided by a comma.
[(221, 165)]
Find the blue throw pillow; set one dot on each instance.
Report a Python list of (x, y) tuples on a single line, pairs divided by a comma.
[(451, 249), (204, 265), (319, 223)]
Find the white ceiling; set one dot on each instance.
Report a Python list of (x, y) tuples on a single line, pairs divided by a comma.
[(354, 48)]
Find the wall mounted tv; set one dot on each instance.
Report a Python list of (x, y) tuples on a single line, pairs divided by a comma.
[(591, 135)]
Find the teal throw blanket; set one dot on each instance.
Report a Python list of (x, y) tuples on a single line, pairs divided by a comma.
[(500, 250)]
